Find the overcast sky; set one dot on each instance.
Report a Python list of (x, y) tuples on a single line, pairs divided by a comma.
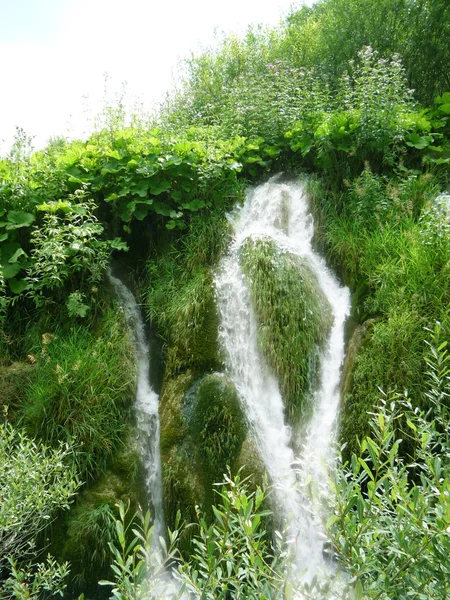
[(55, 53)]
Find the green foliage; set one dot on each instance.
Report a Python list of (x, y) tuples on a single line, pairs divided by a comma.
[(294, 319), (66, 248), (80, 389), (36, 581), (138, 568), (231, 557), (35, 482), (390, 516), (330, 33)]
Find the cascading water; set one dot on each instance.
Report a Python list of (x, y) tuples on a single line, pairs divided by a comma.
[(146, 407), (279, 212)]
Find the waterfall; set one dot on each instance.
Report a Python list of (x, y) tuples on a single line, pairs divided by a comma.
[(146, 408), (279, 212)]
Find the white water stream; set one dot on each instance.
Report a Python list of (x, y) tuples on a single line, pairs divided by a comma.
[(279, 212), (146, 408)]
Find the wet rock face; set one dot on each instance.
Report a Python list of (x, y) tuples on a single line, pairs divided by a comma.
[(294, 320)]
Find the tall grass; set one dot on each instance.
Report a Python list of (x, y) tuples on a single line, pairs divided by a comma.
[(80, 389)]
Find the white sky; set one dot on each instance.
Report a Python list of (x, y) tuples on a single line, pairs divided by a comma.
[(55, 53)]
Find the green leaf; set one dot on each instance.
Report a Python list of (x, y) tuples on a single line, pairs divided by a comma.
[(359, 592), (159, 187), (194, 205), (19, 218), (3, 237), (445, 108), (141, 188), (288, 591), (118, 244), (141, 212), (417, 141), (162, 209), (365, 466), (17, 254), (176, 195), (10, 271), (331, 521), (18, 285)]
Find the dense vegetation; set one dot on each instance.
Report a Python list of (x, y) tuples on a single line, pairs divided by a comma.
[(354, 94)]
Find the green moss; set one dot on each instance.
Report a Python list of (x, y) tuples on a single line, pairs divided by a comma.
[(217, 423), (89, 527), (172, 422), (202, 431), (294, 319), (250, 464), (184, 484), (389, 357), (12, 379), (194, 324)]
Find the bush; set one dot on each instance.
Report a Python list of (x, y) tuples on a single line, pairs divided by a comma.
[(36, 481)]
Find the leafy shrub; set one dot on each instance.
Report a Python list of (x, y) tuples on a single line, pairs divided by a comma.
[(36, 481), (390, 516)]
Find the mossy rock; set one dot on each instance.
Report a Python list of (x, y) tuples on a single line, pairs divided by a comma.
[(250, 464), (173, 425), (294, 320), (192, 325), (386, 354), (202, 431), (217, 424), (359, 336), (184, 485)]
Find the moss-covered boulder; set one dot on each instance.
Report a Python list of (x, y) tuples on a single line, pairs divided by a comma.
[(202, 432), (216, 422), (294, 319), (385, 355), (250, 463)]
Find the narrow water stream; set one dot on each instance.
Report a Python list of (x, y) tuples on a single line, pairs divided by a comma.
[(279, 212), (146, 407)]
